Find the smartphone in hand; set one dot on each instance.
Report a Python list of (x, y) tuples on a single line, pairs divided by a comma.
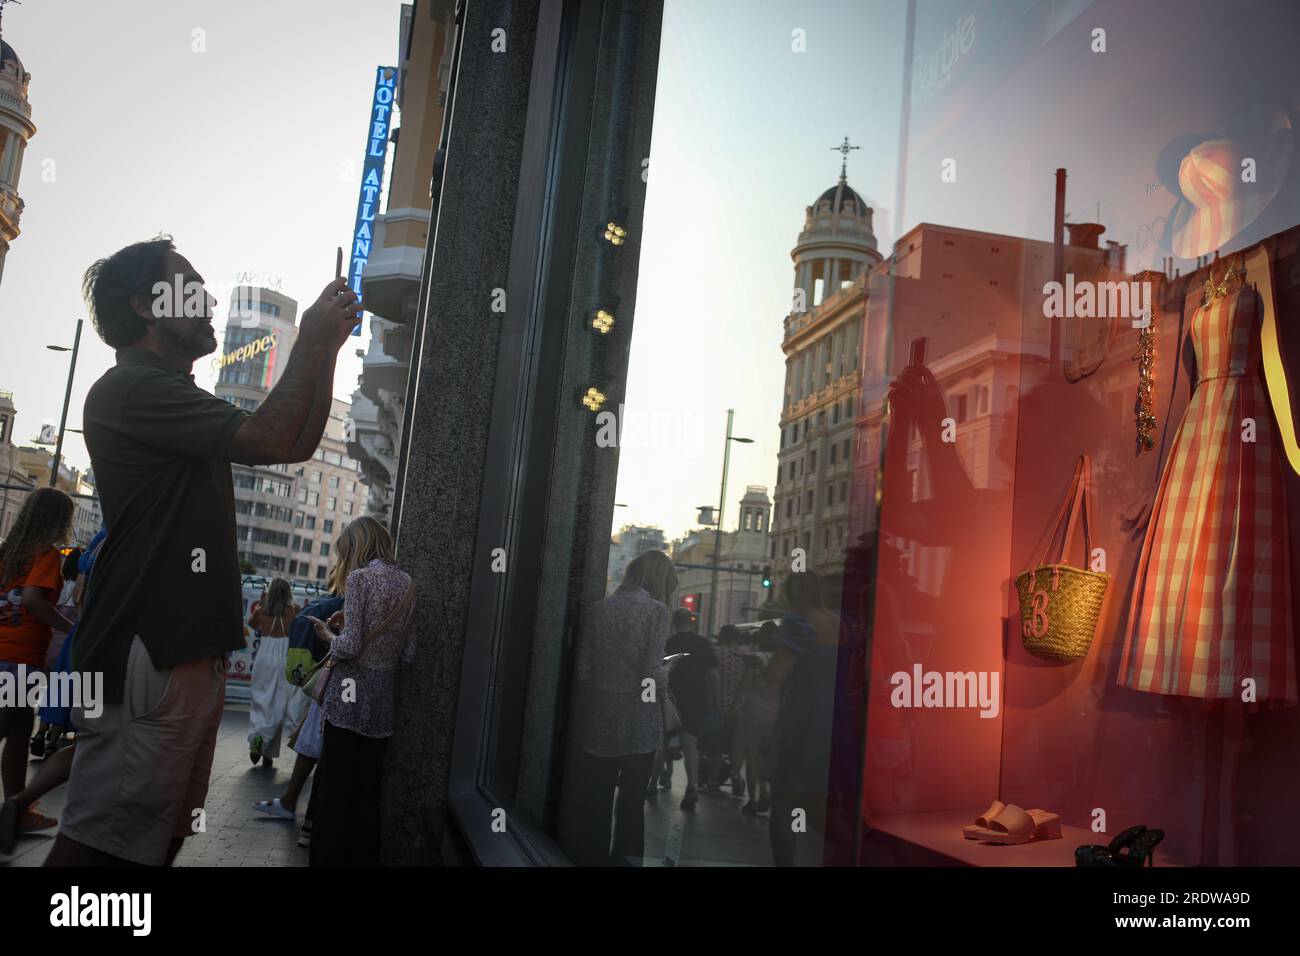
[(916, 356)]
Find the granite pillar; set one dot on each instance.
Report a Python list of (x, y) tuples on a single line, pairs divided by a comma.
[(498, 452), (448, 414)]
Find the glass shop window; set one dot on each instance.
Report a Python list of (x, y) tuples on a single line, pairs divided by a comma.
[(1102, 341), (741, 638), (976, 304)]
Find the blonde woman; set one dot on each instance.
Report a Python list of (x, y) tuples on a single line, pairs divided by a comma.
[(618, 729), (376, 635)]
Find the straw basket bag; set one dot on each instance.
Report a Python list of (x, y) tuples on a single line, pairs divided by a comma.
[(1060, 604)]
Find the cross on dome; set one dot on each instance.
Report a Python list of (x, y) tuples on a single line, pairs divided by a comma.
[(844, 149)]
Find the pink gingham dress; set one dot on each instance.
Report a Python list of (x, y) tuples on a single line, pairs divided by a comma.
[(1212, 599)]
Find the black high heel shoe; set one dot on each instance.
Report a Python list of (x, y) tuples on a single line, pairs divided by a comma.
[(1133, 847), (1096, 855), (1142, 851)]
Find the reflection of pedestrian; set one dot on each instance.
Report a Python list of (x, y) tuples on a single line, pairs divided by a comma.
[(618, 725), (731, 651), (694, 683), (755, 718), (803, 667), (269, 703)]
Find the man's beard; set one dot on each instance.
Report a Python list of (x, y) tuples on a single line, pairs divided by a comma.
[(191, 343)]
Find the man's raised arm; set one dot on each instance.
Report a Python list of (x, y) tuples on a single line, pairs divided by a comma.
[(288, 426)]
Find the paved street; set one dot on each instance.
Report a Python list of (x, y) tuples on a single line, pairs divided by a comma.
[(236, 834), (716, 834)]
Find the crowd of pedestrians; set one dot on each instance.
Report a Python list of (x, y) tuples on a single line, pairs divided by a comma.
[(752, 712)]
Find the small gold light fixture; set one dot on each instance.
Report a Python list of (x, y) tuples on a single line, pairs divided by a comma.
[(615, 234), (602, 321), (593, 399)]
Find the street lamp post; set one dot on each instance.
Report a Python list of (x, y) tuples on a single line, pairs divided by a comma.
[(717, 528), (67, 397)]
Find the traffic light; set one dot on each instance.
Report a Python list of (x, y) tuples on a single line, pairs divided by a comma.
[(767, 576)]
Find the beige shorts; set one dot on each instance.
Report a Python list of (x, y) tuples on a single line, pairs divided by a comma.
[(141, 769)]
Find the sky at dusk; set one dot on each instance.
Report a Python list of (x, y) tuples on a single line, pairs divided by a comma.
[(743, 134), (248, 153)]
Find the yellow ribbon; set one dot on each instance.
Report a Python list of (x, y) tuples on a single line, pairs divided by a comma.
[(1257, 267)]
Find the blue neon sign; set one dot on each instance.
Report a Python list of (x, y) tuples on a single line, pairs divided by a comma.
[(372, 175)]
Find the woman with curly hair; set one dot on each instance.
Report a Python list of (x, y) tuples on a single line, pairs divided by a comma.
[(31, 576)]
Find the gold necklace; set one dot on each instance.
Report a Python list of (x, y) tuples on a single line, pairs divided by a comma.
[(1144, 406), (1213, 291)]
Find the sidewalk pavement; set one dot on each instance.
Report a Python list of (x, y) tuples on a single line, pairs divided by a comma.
[(236, 834), (715, 834)]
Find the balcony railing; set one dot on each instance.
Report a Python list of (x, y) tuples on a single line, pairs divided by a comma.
[(11, 206), (13, 101), (802, 320)]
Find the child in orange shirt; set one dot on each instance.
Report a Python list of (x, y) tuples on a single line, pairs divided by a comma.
[(31, 576)]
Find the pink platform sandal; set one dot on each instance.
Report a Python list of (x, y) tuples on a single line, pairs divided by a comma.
[(972, 831), (1014, 825)]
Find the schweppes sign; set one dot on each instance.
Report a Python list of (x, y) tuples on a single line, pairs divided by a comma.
[(266, 344)]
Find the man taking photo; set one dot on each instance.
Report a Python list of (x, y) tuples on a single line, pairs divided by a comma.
[(164, 605)]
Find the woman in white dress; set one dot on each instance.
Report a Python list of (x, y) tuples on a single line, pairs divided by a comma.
[(270, 703)]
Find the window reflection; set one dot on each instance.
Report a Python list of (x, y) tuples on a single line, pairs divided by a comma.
[(1093, 229)]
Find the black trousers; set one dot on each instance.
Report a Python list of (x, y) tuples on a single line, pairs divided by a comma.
[(345, 825), (600, 777)]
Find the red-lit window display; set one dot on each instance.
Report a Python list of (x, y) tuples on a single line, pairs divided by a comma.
[(1075, 373)]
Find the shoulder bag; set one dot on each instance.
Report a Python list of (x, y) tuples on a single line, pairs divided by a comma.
[(318, 677)]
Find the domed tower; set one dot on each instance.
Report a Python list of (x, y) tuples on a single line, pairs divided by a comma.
[(16, 128), (822, 345), (837, 243)]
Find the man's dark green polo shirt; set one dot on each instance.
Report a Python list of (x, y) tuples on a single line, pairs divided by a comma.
[(169, 568)]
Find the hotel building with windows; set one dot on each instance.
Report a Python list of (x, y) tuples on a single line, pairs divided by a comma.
[(286, 515)]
